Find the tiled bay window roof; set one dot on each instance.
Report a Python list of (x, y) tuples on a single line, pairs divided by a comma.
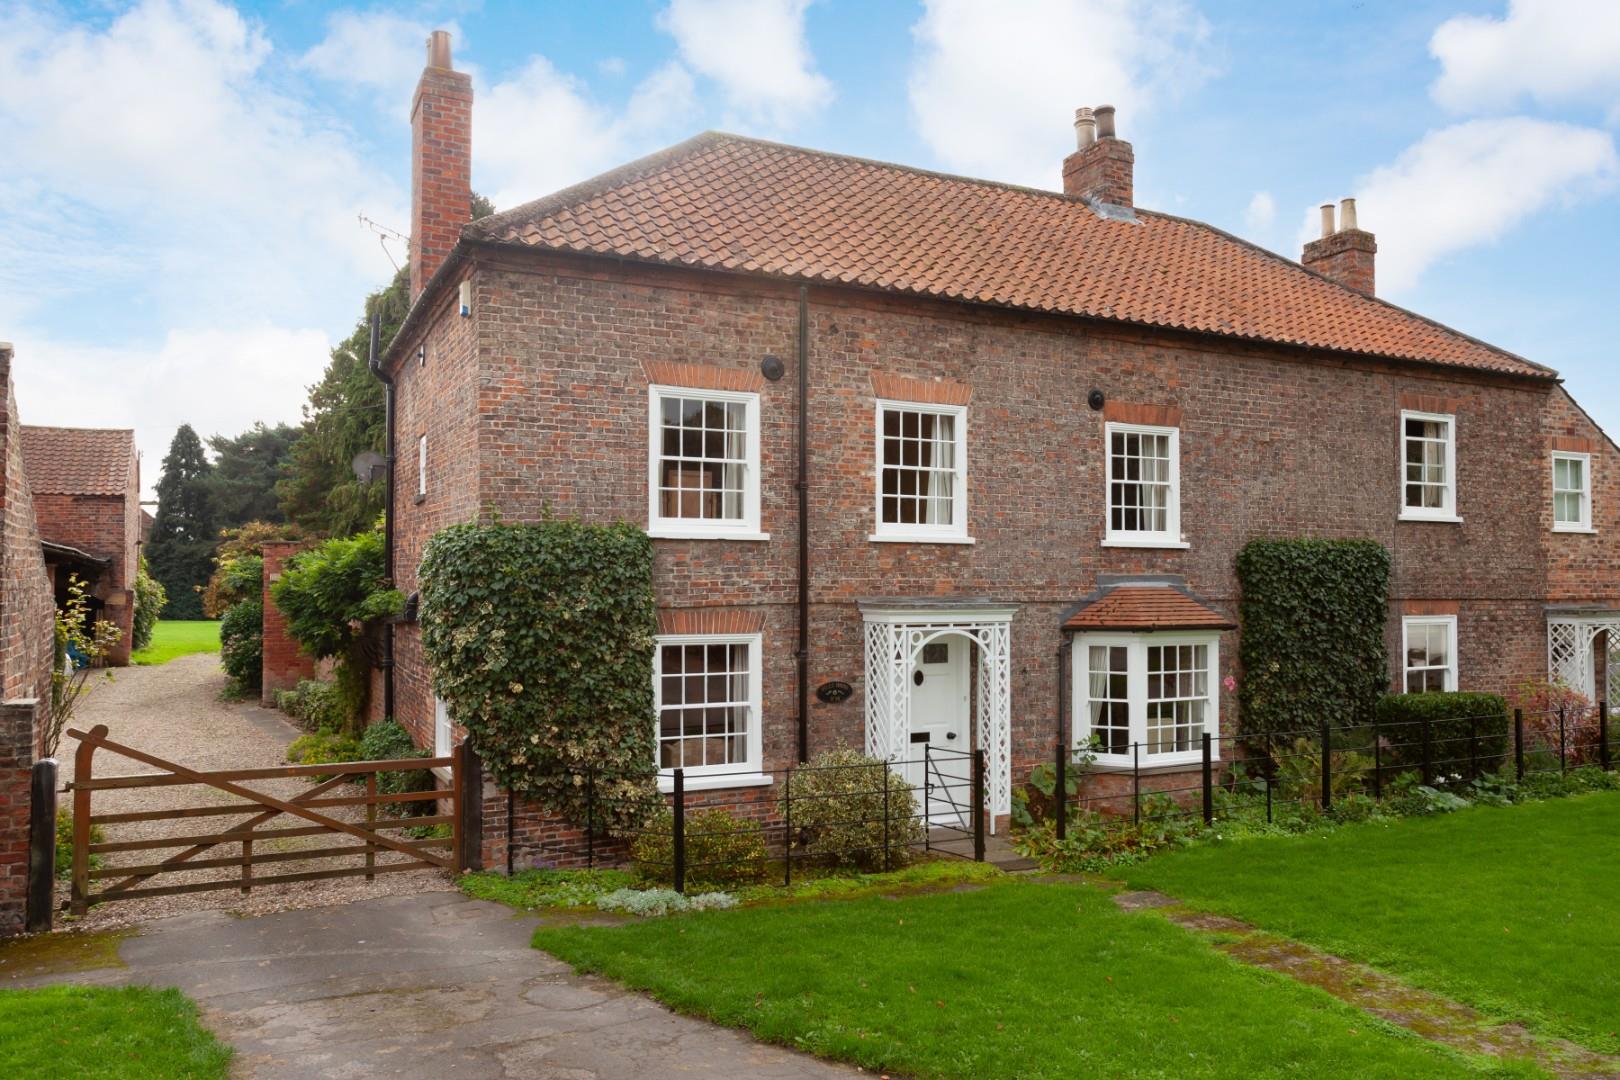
[(725, 202), (1144, 608)]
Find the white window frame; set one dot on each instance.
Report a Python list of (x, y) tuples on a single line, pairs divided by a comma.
[(1136, 678), (421, 465), (444, 736), (659, 526), (1171, 536), (896, 532), (747, 773), (1448, 511), (1447, 621), (1585, 491)]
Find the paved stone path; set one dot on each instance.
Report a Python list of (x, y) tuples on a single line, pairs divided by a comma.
[(433, 985)]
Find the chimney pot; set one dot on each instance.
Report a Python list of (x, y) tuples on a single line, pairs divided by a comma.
[(1347, 214), (1328, 228), (1105, 121), (1085, 127), (438, 49)]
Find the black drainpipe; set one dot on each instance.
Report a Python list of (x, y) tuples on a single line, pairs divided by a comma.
[(1065, 662), (375, 364), (804, 523)]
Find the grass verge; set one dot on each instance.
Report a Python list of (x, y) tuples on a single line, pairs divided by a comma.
[(1511, 910), (1018, 978), (171, 639), (130, 1032)]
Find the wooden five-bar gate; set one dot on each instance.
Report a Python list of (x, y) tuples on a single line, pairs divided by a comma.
[(257, 844)]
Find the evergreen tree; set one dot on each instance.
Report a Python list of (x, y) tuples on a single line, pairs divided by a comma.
[(242, 486), (179, 552)]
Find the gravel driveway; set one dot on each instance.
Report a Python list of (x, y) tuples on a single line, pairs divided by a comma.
[(174, 711)]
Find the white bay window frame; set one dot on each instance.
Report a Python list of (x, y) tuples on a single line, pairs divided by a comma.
[(1170, 535), (660, 525), (956, 530), (1447, 511), (1582, 493), (745, 773), (1138, 699), (1411, 626)]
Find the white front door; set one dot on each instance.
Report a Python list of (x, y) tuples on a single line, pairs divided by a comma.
[(939, 754)]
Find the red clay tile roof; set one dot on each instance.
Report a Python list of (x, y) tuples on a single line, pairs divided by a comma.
[(724, 202), (1147, 607), (78, 461)]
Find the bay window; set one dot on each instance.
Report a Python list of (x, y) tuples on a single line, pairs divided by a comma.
[(1146, 698), (703, 464)]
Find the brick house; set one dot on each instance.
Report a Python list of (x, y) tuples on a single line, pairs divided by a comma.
[(87, 484), (1025, 417)]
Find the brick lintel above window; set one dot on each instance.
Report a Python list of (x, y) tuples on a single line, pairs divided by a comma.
[(922, 391), (1124, 412), (702, 376), (710, 620), (1429, 403)]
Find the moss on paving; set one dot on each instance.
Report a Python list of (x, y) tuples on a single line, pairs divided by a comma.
[(60, 953)]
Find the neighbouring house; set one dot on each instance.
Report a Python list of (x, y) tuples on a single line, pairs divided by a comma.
[(86, 487), (1021, 413)]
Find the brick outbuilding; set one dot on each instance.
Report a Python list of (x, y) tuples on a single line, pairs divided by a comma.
[(1011, 400)]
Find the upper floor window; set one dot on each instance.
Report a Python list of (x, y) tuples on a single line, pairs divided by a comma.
[(421, 465), (1429, 653), (703, 463), (1572, 492), (921, 472), (1147, 698), (707, 697), (1428, 465), (1144, 486)]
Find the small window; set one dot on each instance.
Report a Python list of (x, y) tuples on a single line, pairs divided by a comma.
[(708, 693), (1147, 698), (421, 465), (1429, 651), (922, 472), (1144, 486), (1572, 492), (704, 459), (444, 732), (1428, 465)]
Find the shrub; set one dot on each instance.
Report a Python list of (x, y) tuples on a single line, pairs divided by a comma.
[(1312, 648), (655, 902), (1452, 718), (838, 811), (721, 848), (1558, 715), (64, 843), (316, 705), (387, 740), (540, 638), (241, 644), (323, 747), (150, 598)]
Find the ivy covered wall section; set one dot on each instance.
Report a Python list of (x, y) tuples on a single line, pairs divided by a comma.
[(1312, 643), (540, 639)]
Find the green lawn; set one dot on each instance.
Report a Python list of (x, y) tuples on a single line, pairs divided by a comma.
[(1017, 979), (179, 638), (1514, 910), (131, 1033)]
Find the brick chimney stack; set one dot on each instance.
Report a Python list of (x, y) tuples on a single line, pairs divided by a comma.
[(1344, 253), (1101, 169), (441, 161)]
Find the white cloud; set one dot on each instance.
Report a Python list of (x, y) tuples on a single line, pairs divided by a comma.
[(539, 131), (244, 374), (756, 50), (1466, 185), (1557, 52), (375, 51), (994, 87), (1261, 211)]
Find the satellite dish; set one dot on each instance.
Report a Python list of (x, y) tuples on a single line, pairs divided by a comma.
[(367, 466)]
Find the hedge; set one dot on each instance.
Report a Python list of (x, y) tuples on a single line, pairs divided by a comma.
[(1454, 721), (540, 638), (1313, 614), (387, 740)]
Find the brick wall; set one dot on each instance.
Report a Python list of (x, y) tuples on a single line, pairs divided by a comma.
[(1273, 444), (1581, 566), (26, 644), (284, 662), (106, 526)]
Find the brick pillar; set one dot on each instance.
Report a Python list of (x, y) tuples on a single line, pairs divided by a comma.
[(19, 734), (120, 611), (284, 663)]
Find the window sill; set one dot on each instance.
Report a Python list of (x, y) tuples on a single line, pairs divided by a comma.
[(663, 533), (1444, 519), (421, 497), (666, 783), (1577, 530), (1164, 545), (1180, 764), (918, 538)]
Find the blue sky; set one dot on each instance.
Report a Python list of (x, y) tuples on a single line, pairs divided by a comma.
[(183, 180)]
